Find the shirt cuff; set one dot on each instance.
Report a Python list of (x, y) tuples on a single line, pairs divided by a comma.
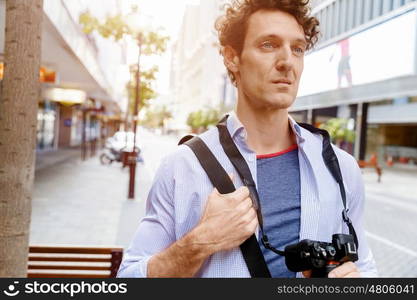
[(137, 269)]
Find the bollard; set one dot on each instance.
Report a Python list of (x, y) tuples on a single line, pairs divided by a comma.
[(131, 161)]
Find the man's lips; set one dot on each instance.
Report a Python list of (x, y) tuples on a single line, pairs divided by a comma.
[(282, 81)]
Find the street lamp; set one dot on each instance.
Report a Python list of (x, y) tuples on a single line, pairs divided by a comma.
[(136, 24)]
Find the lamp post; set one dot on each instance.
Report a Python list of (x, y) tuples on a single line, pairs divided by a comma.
[(135, 24), (134, 154)]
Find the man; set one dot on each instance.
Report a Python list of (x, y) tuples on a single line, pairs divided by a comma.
[(190, 229)]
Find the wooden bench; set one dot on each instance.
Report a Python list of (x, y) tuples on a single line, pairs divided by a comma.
[(373, 163), (73, 261)]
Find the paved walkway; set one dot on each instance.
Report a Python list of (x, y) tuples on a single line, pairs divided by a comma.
[(81, 203), (86, 203), (47, 159), (390, 221)]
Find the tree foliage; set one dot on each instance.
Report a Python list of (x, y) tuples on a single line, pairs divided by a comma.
[(152, 43), (200, 120), (339, 130), (147, 77), (157, 116)]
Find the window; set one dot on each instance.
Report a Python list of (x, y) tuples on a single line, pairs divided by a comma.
[(335, 22), (329, 22), (377, 8), (386, 6), (340, 16)]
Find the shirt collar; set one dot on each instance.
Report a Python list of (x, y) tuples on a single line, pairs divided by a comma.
[(236, 127), (296, 129)]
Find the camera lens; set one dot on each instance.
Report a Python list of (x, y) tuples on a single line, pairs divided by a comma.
[(331, 250)]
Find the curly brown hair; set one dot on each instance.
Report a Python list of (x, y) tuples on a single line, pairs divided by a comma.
[(232, 26)]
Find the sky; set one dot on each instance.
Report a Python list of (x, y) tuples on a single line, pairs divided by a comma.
[(167, 14)]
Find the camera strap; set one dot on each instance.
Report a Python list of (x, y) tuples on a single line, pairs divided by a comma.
[(329, 157), (332, 164), (251, 252)]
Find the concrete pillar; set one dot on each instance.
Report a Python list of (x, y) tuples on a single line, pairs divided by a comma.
[(361, 130), (65, 123), (310, 117)]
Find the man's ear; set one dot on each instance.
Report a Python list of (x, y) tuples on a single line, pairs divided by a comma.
[(231, 59)]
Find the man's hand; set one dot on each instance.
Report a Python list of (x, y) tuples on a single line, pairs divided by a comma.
[(227, 221), (346, 270)]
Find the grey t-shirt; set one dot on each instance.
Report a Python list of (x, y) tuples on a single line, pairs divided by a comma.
[(280, 197)]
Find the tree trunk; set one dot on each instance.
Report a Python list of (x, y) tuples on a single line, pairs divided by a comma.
[(18, 114)]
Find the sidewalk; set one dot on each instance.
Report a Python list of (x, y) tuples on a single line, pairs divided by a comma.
[(46, 159), (85, 203), (395, 182)]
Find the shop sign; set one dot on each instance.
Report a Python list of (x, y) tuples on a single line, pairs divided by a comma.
[(67, 96), (45, 75), (68, 122)]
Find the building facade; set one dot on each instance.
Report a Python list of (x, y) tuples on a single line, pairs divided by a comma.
[(364, 68), (80, 75), (198, 75)]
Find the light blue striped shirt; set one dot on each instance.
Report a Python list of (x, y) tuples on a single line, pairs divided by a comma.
[(181, 187)]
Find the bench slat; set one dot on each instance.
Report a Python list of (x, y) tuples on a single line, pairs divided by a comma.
[(54, 267), (62, 274), (73, 261), (80, 259), (81, 250)]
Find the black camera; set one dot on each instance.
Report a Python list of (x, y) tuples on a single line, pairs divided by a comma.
[(321, 257)]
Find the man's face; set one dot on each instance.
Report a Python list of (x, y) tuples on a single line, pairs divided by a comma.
[(272, 60)]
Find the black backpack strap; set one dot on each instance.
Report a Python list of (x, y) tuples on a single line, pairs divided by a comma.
[(185, 139), (332, 164), (221, 181)]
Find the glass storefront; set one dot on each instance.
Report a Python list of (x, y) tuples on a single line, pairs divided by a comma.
[(392, 131), (46, 126), (395, 144)]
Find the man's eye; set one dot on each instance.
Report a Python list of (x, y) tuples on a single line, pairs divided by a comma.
[(299, 50), (267, 45)]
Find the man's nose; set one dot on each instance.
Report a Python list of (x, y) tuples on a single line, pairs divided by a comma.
[(283, 61)]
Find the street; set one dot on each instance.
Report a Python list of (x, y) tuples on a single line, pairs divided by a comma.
[(390, 221), (86, 203)]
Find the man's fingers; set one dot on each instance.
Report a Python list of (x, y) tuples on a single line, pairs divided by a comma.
[(239, 195), (343, 270), (245, 204), (353, 275), (253, 225), (307, 274)]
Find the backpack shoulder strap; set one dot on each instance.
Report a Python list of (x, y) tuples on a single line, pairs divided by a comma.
[(185, 139), (220, 179)]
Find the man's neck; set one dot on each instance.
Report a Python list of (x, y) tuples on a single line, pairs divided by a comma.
[(267, 131)]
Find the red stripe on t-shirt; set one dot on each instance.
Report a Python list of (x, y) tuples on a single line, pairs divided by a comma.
[(292, 148)]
